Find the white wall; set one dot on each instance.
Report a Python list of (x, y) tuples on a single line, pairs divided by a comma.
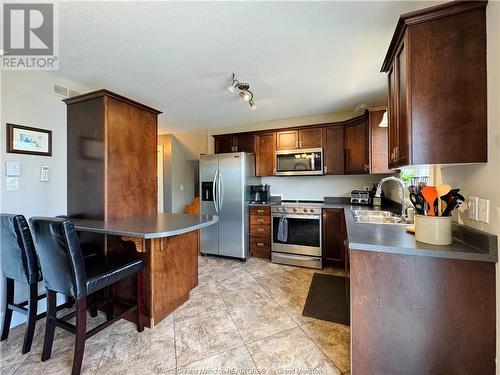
[(27, 99), (179, 174), (318, 187), (484, 180)]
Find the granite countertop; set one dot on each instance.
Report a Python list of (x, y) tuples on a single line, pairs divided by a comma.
[(152, 226), (393, 238)]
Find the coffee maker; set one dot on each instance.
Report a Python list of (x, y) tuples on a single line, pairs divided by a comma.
[(260, 194)]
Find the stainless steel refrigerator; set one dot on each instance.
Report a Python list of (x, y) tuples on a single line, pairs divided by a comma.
[(225, 181)]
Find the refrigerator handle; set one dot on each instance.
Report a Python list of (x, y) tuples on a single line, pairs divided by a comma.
[(215, 190), (220, 191)]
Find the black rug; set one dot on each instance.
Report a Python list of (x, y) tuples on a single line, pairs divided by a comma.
[(327, 299)]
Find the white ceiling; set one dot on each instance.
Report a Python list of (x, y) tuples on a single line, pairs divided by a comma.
[(300, 58)]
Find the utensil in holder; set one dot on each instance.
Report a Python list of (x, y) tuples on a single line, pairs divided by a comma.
[(434, 230)]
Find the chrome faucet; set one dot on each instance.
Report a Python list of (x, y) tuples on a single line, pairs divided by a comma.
[(403, 187)]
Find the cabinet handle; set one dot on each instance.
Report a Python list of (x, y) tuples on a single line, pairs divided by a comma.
[(367, 167), (296, 144), (300, 144), (325, 169), (260, 230), (260, 211), (260, 221), (260, 244)]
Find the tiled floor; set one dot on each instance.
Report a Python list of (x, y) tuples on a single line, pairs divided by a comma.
[(242, 316)]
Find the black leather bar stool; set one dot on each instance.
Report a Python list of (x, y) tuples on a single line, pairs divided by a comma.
[(66, 272), (19, 263)]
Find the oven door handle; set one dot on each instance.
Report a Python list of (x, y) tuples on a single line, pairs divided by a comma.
[(291, 216)]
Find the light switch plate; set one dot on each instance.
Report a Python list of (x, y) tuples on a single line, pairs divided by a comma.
[(484, 210), (11, 183), (44, 173), (472, 204), (12, 168)]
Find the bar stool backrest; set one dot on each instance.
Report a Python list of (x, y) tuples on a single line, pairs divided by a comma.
[(60, 256), (18, 255)]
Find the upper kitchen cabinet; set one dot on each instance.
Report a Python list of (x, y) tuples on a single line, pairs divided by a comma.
[(333, 149), (437, 107), (287, 140), (265, 146), (302, 138), (378, 140), (356, 144), (240, 142), (223, 143), (310, 138)]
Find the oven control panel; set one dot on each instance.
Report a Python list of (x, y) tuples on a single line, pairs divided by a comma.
[(297, 210)]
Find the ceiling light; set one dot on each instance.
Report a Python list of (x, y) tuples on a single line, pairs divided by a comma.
[(234, 84), (383, 123), (244, 93)]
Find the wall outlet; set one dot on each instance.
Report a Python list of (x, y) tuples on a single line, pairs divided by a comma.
[(472, 204), (484, 210)]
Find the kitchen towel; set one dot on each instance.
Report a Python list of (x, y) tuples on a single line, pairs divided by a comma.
[(283, 230)]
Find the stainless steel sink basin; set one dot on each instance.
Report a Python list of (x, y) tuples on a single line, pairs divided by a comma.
[(376, 217)]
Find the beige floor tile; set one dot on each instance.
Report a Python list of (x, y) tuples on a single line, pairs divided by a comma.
[(151, 351), (333, 339), (204, 336), (235, 361), (201, 302), (61, 362), (243, 294), (64, 340), (290, 352), (10, 349), (260, 319)]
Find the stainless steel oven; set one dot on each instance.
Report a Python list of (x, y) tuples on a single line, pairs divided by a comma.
[(301, 244), (299, 162)]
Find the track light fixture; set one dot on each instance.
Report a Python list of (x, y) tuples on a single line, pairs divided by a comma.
[(244, 93)]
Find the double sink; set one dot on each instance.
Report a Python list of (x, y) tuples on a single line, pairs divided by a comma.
[(377, 217)]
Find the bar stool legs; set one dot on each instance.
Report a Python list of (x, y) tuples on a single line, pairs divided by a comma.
[(32, 317), (80, 336), (28, 308), (9, 300), (50, 325)]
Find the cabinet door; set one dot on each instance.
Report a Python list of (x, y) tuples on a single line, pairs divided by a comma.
[(378, 143), (356, 148), (265, 146), (333, 236), (333, 147), (287, 140), (403, 124), (245, 143), (224, 143), (392, 130), (310, 138)]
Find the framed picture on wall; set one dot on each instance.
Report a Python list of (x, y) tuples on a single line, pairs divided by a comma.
[(28, 140)]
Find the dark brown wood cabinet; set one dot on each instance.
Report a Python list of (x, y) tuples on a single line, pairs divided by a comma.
[(437, 107), (265, 146), (333, 150), (260, 231), (334, 235), (417, 315), (378, 141), (241, 142), (287, 140), (356, 145), (223, 143), (310, 137), (111, 140)]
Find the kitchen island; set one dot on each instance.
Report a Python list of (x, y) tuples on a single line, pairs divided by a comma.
[(419, 308), (169, 246)]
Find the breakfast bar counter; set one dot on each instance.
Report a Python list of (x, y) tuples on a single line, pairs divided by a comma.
[(169, 247)]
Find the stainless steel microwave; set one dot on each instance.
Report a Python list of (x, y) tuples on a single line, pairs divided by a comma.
[(302, 162)]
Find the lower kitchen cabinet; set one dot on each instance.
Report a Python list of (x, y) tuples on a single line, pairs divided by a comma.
[(260, 231), (334, 235), (417, 315)]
